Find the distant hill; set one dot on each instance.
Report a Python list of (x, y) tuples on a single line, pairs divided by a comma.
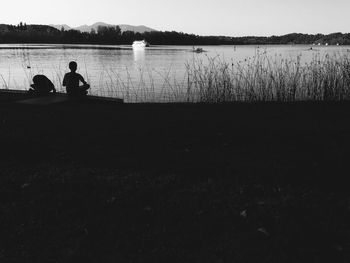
[(139, 29), (59, 27), (23, 33), (123, 27)]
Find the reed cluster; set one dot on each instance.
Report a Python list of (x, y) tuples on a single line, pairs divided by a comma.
[(263, 78), (215, 80)]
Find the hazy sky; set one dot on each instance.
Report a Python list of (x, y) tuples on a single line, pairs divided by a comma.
[(204, 17)]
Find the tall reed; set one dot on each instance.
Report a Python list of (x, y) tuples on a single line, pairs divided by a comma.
[(214, 80), (263, 78)]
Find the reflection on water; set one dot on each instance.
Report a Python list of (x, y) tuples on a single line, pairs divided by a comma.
[(139, 54), (120, 70)]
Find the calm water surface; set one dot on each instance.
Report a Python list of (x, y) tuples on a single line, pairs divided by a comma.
[(135, 75)]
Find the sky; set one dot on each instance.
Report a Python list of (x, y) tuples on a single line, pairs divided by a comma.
[(202, 17)]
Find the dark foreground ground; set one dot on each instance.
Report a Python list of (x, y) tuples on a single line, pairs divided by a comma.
[(88, 182)]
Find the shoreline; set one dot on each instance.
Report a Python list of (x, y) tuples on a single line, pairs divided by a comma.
[(102, 182)]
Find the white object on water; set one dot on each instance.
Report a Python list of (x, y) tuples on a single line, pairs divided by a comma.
[(140, 44)]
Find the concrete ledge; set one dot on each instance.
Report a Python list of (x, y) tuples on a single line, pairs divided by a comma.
[(45, 100), (23, 97)]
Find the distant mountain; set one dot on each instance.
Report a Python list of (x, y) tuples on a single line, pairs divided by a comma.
[(23, 33), (59, 27), (87, 28), (140, 29), (123, 27)]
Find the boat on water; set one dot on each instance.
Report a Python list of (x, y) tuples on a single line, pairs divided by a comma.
[(197, 50), (140, 44)]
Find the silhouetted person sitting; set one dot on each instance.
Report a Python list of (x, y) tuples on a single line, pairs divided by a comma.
[(42, 85), (71, 81)]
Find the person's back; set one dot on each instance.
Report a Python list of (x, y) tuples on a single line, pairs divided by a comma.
[(42, 85), (72, 79)]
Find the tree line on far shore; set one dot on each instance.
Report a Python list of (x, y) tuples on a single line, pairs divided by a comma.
[(23, 33)]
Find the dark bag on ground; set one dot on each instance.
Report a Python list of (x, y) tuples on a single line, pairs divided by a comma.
[(42, 85)]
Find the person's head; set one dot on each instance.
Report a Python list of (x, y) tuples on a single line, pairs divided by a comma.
[(73, 66)]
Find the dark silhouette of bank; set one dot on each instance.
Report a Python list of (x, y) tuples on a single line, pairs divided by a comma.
[(72, 81), (42, 85), (113, 35)]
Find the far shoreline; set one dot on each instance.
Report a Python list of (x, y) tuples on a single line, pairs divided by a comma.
[(159, 45)]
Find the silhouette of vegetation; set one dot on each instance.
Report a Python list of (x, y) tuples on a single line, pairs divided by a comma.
[(23, 33), (324, 78)]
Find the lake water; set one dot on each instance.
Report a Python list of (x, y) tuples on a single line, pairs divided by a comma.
[(152, 74)]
